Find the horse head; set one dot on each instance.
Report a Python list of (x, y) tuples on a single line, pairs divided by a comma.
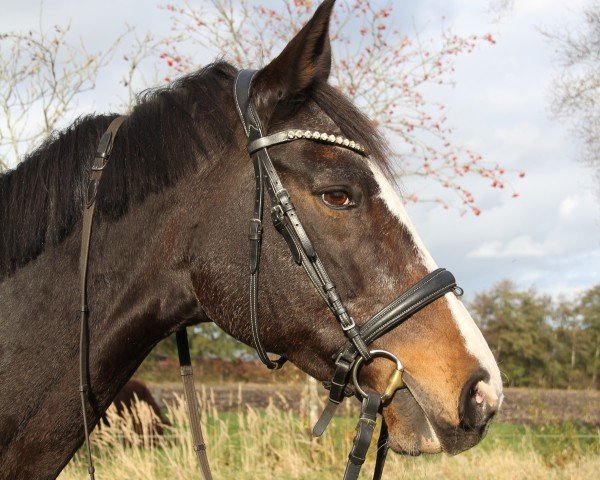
[(357, 223)]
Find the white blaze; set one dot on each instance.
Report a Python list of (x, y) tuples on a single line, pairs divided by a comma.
[(474, 341), (390, 197)]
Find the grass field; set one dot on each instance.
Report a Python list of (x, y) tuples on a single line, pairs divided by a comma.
[(275, 444)]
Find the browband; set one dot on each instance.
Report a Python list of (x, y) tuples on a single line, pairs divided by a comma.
[(291, 135)]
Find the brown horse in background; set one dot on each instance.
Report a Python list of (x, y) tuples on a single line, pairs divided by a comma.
[(136, 392)]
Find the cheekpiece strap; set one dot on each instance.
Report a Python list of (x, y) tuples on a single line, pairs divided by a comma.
[(253, 130)]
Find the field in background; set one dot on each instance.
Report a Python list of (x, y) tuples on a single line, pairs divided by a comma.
[(274, 443), (521, 406)]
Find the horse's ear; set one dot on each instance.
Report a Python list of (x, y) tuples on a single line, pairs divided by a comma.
[(305, 59)]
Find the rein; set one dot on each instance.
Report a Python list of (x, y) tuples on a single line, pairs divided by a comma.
[(100, 161), (353, 354)]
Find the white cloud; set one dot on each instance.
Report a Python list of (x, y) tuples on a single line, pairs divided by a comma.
[(525, 135), (567, 206), (522, 246), (486, 250), (545, 7)]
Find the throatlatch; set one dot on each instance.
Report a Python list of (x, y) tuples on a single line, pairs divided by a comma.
[(355, 352)]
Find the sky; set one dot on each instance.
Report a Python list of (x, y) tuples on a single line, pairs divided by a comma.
[(548, 238)]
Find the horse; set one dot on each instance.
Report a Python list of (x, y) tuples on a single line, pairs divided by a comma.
[(137, 392), (169, 250)]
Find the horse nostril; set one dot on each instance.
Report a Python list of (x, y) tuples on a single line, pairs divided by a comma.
[(478, 405), (479, 398)]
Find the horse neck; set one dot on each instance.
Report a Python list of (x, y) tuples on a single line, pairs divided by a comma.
[(139, 292)]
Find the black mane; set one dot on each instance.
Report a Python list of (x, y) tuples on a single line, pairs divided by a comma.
[(160, 141), (41, 199)]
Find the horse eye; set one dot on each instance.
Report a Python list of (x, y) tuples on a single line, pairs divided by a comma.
[(337, 199)]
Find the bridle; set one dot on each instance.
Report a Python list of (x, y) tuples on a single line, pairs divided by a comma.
[(353, 354)]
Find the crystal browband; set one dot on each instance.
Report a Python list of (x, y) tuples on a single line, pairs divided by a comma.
[(291, 135), (326, 137)]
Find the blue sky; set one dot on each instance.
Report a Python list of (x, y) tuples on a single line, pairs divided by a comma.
[(550, 237), (499, 106)]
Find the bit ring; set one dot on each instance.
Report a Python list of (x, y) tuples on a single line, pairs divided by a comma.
[(394, 383)]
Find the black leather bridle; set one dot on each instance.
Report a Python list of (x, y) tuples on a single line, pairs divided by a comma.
[(356, 351), (353, 354)]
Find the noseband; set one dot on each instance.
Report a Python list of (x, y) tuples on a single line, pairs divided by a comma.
[(350, 357)]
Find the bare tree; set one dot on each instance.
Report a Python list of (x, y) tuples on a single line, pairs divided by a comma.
[(500, 9), (42, 76), (385, 71), (576, 90)]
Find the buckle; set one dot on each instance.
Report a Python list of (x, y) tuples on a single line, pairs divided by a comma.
[(395, 381), (277, 213), (283, 197), (100, 161), (255, 229), (103, 152), (282, 194), (348, 327)]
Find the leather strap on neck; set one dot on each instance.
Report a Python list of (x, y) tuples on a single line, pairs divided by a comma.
[(100, 161), (187, 375)]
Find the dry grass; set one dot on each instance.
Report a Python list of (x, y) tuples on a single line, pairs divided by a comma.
[(274, 444)]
